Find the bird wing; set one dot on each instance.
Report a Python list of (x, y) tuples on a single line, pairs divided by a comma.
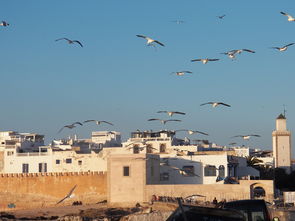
[(213, 59), (276, 48), (61, 200), (159, 43), (248, 50), (200, 132), (71, 191), (162, 112), (62, 39), (206, 103), (87, 121), (196, 60), (153, 119), (173, 120), (254, 135), (187, 72), (77, 123), (177, 112), (141, 36), (224, 104), (103, 121), (283, 13), (288, 45), (78, 43), (238, 136), (181, 130)]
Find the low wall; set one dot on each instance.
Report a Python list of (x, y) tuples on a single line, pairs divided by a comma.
[(35, 190), (209, 191)]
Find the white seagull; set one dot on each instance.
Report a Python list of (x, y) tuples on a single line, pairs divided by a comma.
[(4, 23), (284, 48), (290, 18), (183, 172), (150, 41), (69, 195), (190, 132), (170, 113), (232, 54), (181, 73), (70, 126), (98, 122), (163, 121), (215, 104), (70, 41), (247, 137), (205, 60)]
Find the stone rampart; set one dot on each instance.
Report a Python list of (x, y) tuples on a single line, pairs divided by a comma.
[(35, 190)]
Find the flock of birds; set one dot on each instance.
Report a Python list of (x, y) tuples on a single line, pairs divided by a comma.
[(153, 42)]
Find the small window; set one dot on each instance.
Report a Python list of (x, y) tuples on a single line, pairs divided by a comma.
[(68, 160), (164, 176), (136, 149), (188, 171), (57, 161), (126, 171), (162, 148), (80, 162), (25, 167), (210, 170), (42, 167), (149, 148), (10, 153), (221, 171)]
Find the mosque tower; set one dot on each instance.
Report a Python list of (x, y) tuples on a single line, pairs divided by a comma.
[(281, 143)]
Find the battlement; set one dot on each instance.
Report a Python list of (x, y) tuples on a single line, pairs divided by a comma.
[(89, 173)]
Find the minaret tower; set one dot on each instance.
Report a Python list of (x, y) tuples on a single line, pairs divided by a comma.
[(281, 143)]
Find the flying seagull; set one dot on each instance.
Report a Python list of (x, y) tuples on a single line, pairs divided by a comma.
[(170, 113), (98, 122), (190, 132), (163, 121), (70, 41), (150, 41), (69, 195), (290, 18), (284, 48), (215, 104), (183, 172), (181, 73), (4, 23), (205, 60), (220, 16), (178, 21), (247, 137), (70, 126), (232, 54)]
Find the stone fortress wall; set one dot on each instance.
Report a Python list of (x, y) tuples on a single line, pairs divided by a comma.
[(36, 190)]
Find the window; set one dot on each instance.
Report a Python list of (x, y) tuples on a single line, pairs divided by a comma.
[(10, 153), (210, 170), (164, 176), (135, 149), (42, 167), (162, 148), (149, 148), (25, 167), (188, 171), (126, 171), (221, 171), (68, 160), (80, 162), (57, 161)]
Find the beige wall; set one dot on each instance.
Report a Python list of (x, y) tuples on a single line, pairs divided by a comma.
[(223, 191), (44, 190)]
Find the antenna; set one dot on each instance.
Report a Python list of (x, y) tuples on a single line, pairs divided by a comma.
[(284, 110)]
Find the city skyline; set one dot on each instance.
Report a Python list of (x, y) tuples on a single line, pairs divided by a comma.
[(115, 77)]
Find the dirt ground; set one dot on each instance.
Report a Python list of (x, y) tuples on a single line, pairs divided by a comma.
[(91, 211)]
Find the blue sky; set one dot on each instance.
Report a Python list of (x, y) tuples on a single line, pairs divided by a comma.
[(116, 77)]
